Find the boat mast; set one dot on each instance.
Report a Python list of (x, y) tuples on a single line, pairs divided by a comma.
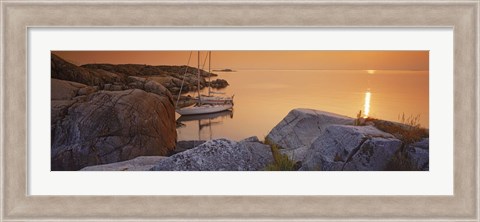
[(209, 72), (198, 78)]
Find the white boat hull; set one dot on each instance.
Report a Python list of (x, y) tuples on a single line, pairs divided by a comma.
[(204, 109), (216, 100)]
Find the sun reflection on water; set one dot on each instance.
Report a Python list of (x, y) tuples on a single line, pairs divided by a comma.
[(366, 106)]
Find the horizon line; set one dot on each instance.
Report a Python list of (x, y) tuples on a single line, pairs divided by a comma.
[(332, 69)]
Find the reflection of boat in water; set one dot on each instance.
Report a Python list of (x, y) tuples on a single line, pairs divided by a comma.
[(205, 120), (210, 116)]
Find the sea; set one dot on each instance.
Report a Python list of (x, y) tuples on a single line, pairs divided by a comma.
[(262, 98)]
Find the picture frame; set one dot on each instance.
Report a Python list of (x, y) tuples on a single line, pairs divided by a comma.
[(18, 16)]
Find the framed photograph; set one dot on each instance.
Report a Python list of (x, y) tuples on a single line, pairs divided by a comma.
[(291, 96), (240, 110)]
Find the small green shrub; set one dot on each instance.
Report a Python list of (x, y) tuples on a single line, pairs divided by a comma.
[(281, 162)]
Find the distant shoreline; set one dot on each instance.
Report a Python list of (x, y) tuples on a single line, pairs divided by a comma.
[(223, 70)]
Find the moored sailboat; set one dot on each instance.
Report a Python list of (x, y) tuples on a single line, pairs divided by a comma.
[(203, 107)]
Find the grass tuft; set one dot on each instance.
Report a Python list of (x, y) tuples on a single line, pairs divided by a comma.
[(267, 141), (281, 162), (408, 130), (359, 121)]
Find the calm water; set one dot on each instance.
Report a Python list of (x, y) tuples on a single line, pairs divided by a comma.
[(264, 97)]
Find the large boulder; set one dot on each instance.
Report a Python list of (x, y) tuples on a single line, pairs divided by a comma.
[(342, 147), (220, 155), (296, 132), (141, 163), (112, 126)]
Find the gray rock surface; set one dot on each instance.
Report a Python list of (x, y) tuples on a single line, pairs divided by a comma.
[(141, 163), (342, 147), (419, 158), (219, 155), (418, 154), (297, 154), (422, 144), (374, 155), (296, 132), (108, 126)]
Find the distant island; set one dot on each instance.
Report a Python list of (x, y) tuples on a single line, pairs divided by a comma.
[(223, 70)]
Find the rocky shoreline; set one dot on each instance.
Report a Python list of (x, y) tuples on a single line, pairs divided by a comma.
[(311, 140), (122, 117)]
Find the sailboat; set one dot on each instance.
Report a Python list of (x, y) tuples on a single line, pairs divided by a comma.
[(210, 98), (201, 107)]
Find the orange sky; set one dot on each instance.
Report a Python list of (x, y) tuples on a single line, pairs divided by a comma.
[(330, 60)]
